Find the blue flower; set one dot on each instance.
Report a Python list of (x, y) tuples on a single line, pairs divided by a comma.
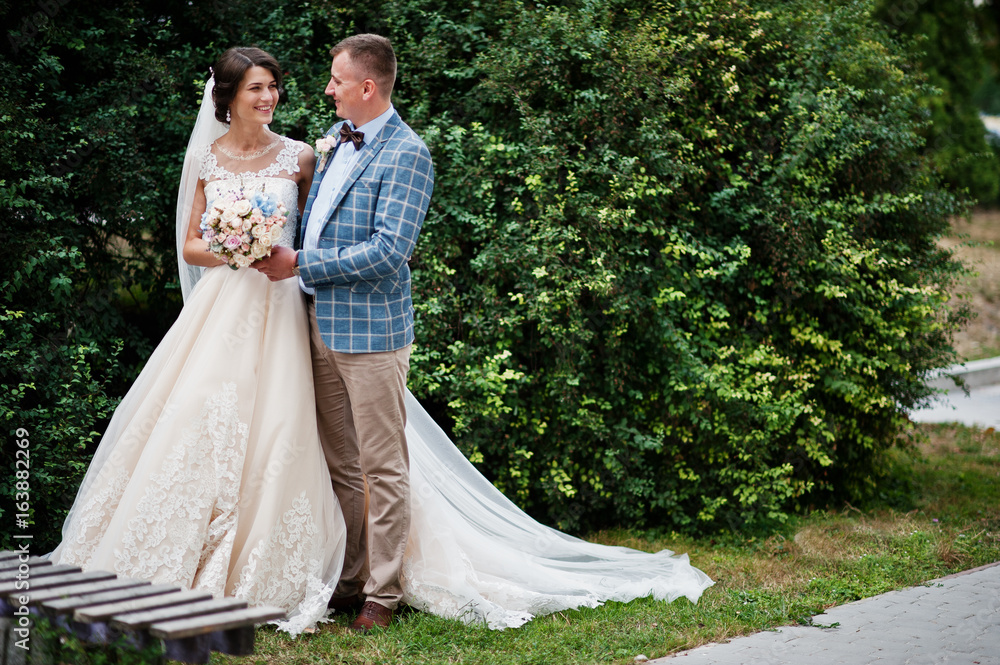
[(204, 220), (264, 203)]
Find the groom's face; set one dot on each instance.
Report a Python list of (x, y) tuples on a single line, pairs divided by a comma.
[(347, 88)]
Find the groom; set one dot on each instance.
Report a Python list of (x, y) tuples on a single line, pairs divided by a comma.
[(361, 222)]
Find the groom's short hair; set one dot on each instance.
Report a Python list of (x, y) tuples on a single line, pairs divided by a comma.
[(374, 58)]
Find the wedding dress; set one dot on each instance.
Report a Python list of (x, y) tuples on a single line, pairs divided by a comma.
[(210, 474)]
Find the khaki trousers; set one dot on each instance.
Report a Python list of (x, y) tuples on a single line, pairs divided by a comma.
[(361, 417)]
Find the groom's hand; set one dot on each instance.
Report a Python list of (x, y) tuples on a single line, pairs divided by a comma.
[(279, 265)]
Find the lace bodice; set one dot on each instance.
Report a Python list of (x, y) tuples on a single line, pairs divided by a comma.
[(287, 160), (272, 179)]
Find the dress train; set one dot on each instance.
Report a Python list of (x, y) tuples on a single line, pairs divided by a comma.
[(475, 556)]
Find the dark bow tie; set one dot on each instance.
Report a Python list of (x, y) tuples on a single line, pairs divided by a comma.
[(356, 137)]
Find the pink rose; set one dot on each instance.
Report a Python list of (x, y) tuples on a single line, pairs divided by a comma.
[(232, 242)]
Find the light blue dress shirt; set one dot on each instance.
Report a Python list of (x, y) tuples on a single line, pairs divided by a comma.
[(344, 159)]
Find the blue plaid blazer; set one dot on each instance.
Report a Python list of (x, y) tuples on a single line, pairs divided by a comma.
[(359, 269)]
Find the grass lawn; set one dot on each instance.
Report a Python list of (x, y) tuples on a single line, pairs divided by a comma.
[(819, 560), (826, 558)]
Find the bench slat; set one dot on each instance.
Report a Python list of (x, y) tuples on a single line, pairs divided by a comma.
[(189, 627), (35, 572), (85, 589), (14, 564), (39, 584), (105, 611), (139, 590), (142, 620)]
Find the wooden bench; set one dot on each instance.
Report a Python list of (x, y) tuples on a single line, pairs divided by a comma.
[(101, 608)]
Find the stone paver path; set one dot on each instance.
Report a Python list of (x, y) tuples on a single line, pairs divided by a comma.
[(954, 620)]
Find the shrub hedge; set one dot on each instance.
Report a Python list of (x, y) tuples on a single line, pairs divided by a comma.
[(680, 268)]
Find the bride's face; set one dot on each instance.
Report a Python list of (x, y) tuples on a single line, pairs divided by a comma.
[(256, 98)]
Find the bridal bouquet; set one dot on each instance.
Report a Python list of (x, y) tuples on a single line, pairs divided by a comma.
[(241, 229)]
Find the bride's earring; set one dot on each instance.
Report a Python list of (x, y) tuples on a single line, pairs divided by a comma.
[(229, 118)]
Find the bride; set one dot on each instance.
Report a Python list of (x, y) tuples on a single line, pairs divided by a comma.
[(211, 476)]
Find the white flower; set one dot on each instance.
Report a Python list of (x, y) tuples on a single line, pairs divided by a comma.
[(242, 207), (265, 240), (242, 260), (275, 234), (258, 250), (325, 144), (229, 216)]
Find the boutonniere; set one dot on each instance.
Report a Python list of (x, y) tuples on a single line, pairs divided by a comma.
[(324, 146)]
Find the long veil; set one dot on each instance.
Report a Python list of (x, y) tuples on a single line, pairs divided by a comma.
[(206, 129), (472, 554)]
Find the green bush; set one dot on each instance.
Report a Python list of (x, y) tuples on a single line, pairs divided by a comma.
[(680, 266), (78, 200), (55, 392), (951, 39), (679, 269)]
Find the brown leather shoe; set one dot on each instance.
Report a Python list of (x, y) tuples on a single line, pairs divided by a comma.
[(372, 615), (346, 604)]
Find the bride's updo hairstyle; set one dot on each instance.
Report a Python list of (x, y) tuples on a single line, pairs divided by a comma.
[(229, 70)]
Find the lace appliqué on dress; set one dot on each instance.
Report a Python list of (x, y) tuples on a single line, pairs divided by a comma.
[(287, 161), (92, 520), (193, 499), (286, 568)]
